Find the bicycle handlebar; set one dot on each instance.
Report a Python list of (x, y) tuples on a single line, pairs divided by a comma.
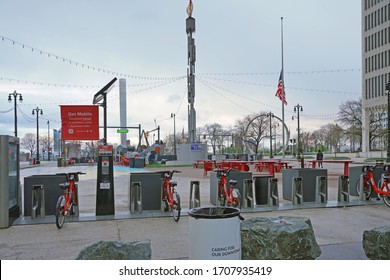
[(223, 172), (72, 176), (78, 172), (366, 168), (170, 173)]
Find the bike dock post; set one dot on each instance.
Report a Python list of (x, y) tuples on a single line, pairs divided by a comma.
[(343, 193), (136, 197), (248, 194), (362, 195), (273, 194), (38, 201), (321, 190), (297, 191), (194, 194)]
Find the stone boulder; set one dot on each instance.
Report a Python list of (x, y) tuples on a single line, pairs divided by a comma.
[(282, 238), (376, 243), (117, 250)]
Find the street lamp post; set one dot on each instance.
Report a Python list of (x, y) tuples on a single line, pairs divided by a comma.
[(270, 115), (388, 122), (15, 95), (37, 111), (48, 140), (298, 108), (174, 133)]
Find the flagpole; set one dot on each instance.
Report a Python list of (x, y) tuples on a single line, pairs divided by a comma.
[(283, 94)]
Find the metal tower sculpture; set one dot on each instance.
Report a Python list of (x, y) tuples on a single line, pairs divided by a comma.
[(190, 28)]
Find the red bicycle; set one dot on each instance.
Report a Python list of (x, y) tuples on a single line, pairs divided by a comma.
[(170, 197), (67, 204), (230, 197), (382, 188)]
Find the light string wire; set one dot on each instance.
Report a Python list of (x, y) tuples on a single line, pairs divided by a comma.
[(61, 85), (211, 85), (277, 73), (289, 88), (80, 64)]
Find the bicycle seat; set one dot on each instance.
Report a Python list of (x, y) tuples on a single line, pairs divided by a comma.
[(173, 183), (233, 182), (64, 186)]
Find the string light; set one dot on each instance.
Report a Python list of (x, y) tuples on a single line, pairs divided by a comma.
[(151, 84), (286, 72), (3, 112), (76, 63), (211, 85), (290, 88)]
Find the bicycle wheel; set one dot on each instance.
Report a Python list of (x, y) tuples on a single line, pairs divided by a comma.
[(384, 187), (222, 199), (176, 207), (60, 216), (367, 188), (236, 199)]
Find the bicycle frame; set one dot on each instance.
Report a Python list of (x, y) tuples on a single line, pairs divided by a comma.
[(168, 188), (170, 197), (69, 198), (68, 192), (230, 194), (370, 177)]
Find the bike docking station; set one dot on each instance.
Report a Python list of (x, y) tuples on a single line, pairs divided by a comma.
[(105, 181), (105, 204), (194, 194), (38, 201)]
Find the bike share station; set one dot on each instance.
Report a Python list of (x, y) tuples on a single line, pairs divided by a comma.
[(105, 204), (10, 205)]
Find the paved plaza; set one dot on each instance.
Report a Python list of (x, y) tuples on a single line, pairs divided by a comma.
[(338, 227)]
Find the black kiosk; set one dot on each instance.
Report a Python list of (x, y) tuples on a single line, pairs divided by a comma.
[(105, 182), (105, 173)]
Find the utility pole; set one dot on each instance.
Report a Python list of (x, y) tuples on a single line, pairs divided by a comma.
[(48, 140), (37, 111), (298, 108), (174, 133), (270, 115), (15, 95)]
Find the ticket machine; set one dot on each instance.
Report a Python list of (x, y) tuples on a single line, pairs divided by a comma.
[(9, 180), (105, 182)]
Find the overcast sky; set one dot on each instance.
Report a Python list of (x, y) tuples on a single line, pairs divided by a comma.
[(62, 52)]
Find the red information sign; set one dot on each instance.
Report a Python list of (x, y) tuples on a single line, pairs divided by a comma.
[(105, 150), (80, 122)]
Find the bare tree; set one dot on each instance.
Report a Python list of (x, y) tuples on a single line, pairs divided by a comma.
[(256, 128), (350, 115), (214, 133), (29, 142)]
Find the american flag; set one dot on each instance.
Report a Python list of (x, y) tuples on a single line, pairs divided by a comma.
[(279, 92)]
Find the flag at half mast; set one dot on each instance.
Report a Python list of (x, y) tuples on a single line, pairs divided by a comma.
[(280, 91)]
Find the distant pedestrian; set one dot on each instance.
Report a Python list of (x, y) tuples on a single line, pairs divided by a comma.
[(320, 157)]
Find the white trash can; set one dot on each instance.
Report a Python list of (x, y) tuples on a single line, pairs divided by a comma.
[(214, 233)]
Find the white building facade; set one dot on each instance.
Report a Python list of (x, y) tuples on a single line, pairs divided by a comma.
[(375, 69)]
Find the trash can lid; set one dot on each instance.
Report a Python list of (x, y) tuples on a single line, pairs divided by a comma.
[(214, 212)]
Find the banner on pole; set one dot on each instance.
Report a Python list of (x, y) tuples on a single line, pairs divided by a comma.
[(80, 122)]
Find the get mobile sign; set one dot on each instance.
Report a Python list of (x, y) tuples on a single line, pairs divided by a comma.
[(80, 122)]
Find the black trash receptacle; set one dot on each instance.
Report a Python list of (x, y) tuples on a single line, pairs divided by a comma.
[(214, 233)]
